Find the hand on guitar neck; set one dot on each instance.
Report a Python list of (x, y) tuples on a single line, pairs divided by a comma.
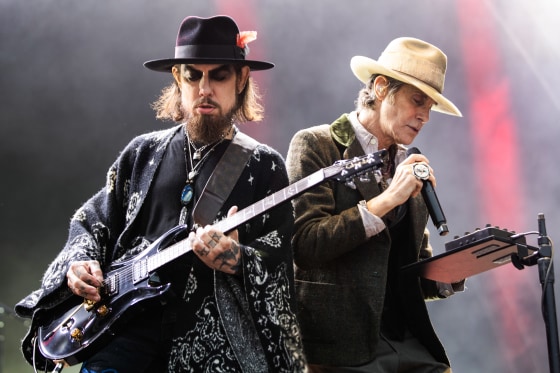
[(216, 249)]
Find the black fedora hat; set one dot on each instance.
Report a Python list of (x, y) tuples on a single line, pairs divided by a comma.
[(213, 40)]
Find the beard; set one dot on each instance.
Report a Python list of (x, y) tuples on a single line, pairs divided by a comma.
[(207, 129)]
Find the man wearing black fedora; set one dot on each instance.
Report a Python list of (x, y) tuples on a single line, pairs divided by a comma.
[(357, 311), (173, 279)]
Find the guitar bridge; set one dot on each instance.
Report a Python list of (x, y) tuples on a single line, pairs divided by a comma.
[(111, 285)]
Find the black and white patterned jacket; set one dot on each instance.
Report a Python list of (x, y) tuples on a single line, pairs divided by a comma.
[(102, 229)]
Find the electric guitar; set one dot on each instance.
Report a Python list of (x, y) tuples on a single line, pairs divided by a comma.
[(73, 332)]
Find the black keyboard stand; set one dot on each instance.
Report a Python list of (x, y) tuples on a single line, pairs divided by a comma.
[(543, 259)]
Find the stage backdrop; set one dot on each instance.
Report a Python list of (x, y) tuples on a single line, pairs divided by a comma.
[(74, 92)]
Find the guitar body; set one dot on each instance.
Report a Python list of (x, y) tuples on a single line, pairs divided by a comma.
[(76, 330)]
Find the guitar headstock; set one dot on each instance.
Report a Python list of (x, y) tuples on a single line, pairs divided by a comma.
[(347, 169)]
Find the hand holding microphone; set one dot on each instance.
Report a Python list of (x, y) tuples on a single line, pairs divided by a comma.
[(422, 172)]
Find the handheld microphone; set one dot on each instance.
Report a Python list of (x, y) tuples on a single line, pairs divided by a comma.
[(432, 202)]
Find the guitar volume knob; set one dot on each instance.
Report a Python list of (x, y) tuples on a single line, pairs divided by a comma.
[(77, 334), (88, 304), (103, 310)]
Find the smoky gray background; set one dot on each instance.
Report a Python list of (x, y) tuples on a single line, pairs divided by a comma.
[(74, 92)]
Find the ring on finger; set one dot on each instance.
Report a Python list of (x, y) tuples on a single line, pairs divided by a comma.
[(421, 171)]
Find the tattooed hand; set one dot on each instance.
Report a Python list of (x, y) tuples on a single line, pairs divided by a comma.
[(85, 278), (217, 250)]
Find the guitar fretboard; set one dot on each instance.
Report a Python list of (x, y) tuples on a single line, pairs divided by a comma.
[(165, 256)]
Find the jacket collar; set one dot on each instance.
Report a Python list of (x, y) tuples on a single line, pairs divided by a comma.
[(343, 133)]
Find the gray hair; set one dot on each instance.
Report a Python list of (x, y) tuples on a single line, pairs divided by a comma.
[(366, 96)]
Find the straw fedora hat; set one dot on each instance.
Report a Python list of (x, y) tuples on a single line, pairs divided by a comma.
[(213, 40), (411, 61)]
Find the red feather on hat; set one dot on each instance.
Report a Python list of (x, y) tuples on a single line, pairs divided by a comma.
[(245, 37)]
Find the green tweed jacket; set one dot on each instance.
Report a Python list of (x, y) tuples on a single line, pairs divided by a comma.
[(341, 274)]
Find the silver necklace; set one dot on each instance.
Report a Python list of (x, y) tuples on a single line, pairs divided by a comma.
[(195, 161), (197, 152)]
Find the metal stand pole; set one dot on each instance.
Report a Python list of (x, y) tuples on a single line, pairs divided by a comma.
[(546, 276), (543, 259)]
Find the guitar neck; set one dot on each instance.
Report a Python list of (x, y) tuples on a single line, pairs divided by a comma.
[(170, 253), (342, 171)]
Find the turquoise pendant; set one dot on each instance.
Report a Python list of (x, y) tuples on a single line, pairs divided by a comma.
[(187, 194)]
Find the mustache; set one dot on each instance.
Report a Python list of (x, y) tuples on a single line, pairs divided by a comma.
[(205, 101)]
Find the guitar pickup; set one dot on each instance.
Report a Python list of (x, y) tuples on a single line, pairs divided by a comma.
[(139, 270)]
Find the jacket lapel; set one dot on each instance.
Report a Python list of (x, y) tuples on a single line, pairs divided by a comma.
[(343, 133)]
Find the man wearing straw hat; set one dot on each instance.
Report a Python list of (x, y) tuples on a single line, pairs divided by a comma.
[(230, 306), (357, 312)]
